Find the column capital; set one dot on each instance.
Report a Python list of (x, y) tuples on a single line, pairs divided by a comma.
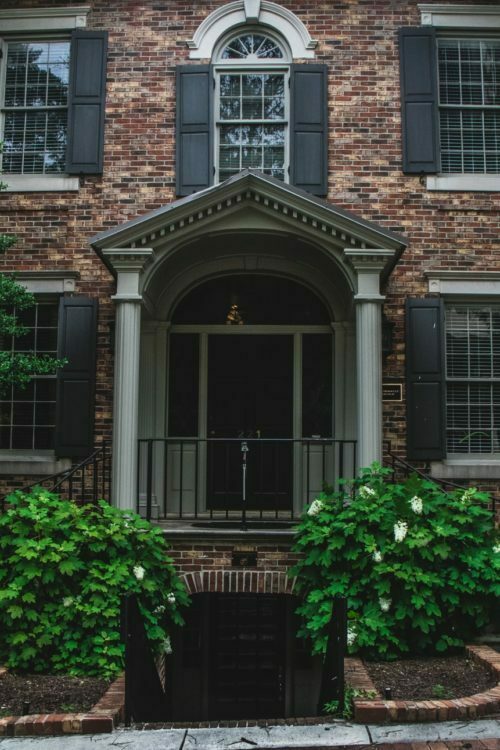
[(129, 263), (369, 264)]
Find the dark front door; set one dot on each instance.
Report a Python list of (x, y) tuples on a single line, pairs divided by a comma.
[(250, 388), (247, 656)]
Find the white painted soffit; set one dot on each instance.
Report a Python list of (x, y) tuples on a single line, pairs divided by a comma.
[(201, 209)]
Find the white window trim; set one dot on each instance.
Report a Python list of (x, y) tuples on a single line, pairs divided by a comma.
[(43, 19), (486, 17), (482, 286), (467, 181), (241, 12), (39, 183), (28, 21), (460, 16)]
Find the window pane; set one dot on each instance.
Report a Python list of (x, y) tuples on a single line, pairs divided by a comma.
[(472, 369), (36, 78), (251, 45), (469, 75), (183, 386), (28, 413)]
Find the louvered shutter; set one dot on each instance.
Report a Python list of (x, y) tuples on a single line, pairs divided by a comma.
[(308, 128), (87, 92), (195, 143), (425, 379), (417, 49), (77, 341)]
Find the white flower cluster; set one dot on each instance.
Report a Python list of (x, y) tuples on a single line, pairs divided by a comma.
[(377, 556), (365, 493), (315, 508), (496, 549), (351, 636), (167, 646), (417, 505), (67, 601), (171, 598), (385, 604), (400, 530), (139, 572), (468, 494)]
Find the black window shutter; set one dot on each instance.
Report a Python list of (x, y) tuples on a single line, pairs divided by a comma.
[(418, 69), (425, 379), (77, 341), (309, 128), (195, 144), (87, 91)]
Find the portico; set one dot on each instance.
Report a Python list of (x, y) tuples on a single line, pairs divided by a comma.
[(252, 227)]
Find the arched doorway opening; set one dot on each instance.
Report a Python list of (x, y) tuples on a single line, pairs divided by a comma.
[(250, 361), (250, 401)]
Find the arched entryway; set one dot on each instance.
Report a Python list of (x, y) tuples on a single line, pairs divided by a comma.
[(250, 370), (255, 369)]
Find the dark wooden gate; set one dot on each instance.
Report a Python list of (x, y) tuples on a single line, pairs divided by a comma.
[(247, 656)]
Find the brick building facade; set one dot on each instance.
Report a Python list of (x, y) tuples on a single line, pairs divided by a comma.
[(274, 166)]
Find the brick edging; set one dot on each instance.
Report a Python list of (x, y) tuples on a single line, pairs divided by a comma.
[(380, 711), (103, 717)]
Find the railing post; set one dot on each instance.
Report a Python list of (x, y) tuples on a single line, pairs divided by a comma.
[(149, 481)]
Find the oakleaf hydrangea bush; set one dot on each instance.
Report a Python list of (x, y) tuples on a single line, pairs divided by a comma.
[(420, 567), (63, 571)]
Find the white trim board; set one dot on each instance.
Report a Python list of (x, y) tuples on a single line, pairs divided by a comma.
[(460, 16), (43, 19)]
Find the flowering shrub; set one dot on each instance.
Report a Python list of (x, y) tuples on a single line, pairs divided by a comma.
[(63, 571), (420, 567)]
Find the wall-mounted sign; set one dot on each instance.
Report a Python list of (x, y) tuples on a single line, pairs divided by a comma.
[(392, 391)]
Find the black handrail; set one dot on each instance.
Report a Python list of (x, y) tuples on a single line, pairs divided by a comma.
[(71, 482), (407, 469), (173, 469)]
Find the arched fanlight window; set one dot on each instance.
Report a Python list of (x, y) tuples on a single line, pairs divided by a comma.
[(252, 47), (252, 104)]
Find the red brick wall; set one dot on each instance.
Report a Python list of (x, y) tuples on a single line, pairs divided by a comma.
[(358, 41), (207, 566)]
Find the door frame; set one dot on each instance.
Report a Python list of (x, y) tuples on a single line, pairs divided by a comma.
[(297, 331)]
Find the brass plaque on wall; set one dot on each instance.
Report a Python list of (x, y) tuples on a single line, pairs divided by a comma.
[(392, 391)]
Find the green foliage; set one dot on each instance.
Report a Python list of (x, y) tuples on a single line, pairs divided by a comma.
[(17, 368), (440, 692), (350, 693), (419, 566), (63, 571)]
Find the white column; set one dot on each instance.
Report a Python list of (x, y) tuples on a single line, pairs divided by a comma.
[(129, 264), (368, 265)]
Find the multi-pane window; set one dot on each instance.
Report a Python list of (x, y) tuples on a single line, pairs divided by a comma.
[(252, 109), (35, 107), (27, 415), (473, 379), (469, 99)]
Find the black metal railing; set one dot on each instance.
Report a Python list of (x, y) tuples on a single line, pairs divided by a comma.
[(84, 482), (237, 478), (402, 470)]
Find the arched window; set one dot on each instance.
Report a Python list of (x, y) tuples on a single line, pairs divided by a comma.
[(252, 104)]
